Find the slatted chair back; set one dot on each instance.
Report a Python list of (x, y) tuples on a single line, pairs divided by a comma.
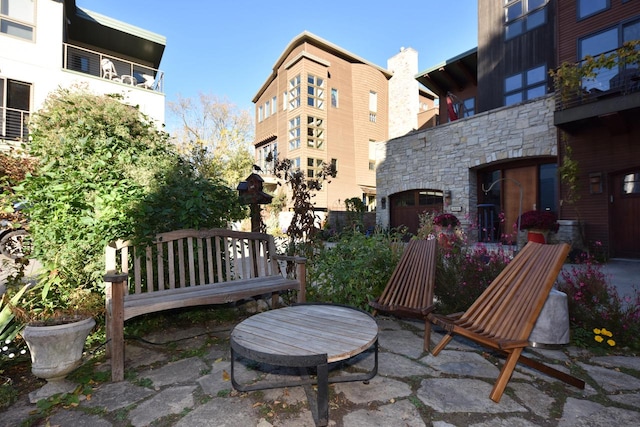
[(508, 309), (409, 291)]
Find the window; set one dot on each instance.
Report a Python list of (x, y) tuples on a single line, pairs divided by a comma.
[(315, 132), (267, 109), (17, 18), (314, 167), (260, 113), (631, 183), (294, 133), (373, 106), (523, 15), (334, 165), (334, 98), (294, 92), (591, 7), (603, 42), (274, 103), (548, 184), (526, 85), (284, 101), (468, 107), (267, 157), (315, 91), (373, 155), (15, 102)]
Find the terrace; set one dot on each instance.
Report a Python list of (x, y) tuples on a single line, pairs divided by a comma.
[(600, 88), (127, 72)]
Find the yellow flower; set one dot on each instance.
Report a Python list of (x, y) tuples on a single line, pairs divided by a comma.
[(596, 331), (598, 338), (611, 343), (606, 332)]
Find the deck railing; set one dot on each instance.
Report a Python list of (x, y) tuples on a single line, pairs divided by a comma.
[(95, 64), (13, 124), (621, 77)]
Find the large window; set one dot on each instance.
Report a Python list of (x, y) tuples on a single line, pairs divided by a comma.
[(314, 167), (523, 15), (294, 92), (294, 133), (315, 91), (15, 101), (529, 84), (603, 42), (267, 157), (17, 18), (334, 98), (591, 7), (315, 132)]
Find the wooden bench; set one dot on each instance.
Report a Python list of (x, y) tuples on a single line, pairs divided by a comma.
[(504, 315), (187, 268)]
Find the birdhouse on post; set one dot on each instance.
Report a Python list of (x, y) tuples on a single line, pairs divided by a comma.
[(250, 193)]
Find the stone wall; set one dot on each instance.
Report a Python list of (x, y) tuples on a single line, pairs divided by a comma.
[(445, 157)]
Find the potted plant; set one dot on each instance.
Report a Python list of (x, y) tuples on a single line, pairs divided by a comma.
[(57, 319), (538, 224)]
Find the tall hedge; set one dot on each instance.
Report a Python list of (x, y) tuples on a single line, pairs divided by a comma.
[(104, 171)]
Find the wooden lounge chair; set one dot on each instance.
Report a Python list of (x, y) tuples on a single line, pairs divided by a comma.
[(409, 292), (505, 313)]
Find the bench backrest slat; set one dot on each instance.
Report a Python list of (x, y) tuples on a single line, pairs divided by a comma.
[(186, 258)]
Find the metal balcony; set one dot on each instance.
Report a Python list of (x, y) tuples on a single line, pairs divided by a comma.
[(94, 63)]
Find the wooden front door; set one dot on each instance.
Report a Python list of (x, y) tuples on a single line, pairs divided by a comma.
[(624, 208), (528, 179)]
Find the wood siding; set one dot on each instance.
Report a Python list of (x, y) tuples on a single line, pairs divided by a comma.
[(499, 58)]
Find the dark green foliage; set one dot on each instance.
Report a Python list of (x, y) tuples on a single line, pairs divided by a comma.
[(355, 271), (104, 171)]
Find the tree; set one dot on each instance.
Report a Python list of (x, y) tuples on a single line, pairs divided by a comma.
[(103, 172), (215, 136)]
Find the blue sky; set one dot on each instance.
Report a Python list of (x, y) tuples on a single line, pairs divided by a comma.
[(228, 48)]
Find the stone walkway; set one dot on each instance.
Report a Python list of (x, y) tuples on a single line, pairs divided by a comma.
[(412, 388)]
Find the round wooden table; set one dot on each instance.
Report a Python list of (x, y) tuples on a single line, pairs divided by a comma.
[(306, 336)]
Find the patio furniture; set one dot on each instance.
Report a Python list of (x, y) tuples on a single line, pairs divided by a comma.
[(108, 69), (503, 316), (186, 268), (409, 292), (309, 337)]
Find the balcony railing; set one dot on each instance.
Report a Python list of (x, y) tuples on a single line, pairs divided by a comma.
[(586, 81), (122, 71), (13, 124)]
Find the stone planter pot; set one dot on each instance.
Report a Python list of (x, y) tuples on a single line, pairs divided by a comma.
[(55, 352)]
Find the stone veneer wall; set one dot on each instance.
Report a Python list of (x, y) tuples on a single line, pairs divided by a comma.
[(444, 157)]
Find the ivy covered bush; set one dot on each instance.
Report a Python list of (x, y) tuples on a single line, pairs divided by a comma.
[(104, 171)]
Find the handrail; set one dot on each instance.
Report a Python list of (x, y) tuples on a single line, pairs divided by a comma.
[(91, 62), (13, 124)]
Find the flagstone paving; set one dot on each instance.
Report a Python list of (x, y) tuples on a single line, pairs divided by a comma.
[(412, 388)]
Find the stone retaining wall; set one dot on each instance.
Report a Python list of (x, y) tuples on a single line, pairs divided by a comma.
[(445, 157)]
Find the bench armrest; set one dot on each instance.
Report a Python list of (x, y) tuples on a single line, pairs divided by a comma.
[(301, 272)]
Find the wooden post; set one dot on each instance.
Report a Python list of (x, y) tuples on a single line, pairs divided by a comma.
[(301, 275), (115, 291)]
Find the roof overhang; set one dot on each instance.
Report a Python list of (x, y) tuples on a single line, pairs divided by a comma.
[(307, 37), (108, 34), (453, 75)]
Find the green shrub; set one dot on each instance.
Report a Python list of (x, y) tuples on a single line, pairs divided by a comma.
[(355, 271), (595, 305), (104, 171)]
